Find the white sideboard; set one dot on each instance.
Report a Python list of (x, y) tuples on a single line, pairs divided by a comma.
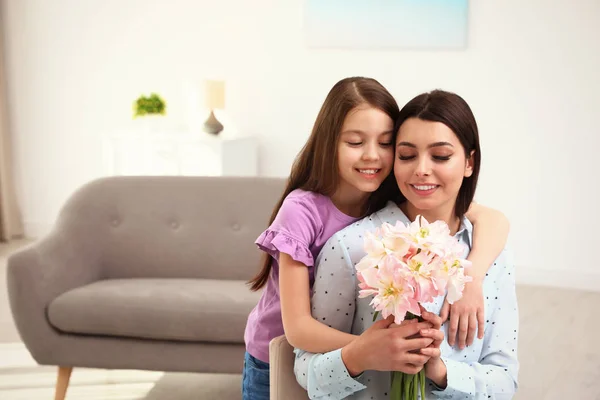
[(179, 153)]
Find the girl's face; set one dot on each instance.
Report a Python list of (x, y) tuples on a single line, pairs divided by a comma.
[(365, 151), (430, 167)]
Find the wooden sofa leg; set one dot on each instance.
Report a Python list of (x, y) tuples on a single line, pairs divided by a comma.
[(62, 382)]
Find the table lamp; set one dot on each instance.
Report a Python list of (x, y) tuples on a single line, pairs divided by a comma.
[(215, 99)]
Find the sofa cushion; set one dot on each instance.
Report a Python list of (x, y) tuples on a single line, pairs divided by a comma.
[(192, 310)]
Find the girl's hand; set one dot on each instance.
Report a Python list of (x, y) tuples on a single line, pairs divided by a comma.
[(466, 315)]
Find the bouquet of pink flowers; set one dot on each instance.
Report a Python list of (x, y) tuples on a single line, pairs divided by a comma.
[(406, 265)]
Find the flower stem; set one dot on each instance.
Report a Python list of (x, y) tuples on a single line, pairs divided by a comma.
[(416, 385), (375, 315), (407, 386), (396, 390)]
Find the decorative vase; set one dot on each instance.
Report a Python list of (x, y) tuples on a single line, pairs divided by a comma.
[(212, 124)]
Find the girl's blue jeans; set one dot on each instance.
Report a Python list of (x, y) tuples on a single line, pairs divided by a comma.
[(255, 379)]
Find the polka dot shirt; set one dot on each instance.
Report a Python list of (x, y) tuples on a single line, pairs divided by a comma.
[(485, 370)]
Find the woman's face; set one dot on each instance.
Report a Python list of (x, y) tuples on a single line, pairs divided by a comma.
[(365, 150), (430, 166)]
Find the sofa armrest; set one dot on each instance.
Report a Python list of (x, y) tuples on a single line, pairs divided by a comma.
[(281, 376), (39, 273)]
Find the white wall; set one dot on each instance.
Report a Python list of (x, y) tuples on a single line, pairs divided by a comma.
[(530, 73)]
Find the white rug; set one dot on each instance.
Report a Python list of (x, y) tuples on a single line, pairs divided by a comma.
[(22, 379)]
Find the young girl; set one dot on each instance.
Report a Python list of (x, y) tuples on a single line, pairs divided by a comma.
[(342, 174)]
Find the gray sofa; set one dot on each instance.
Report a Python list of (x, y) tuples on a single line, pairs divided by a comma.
[(144, 273)]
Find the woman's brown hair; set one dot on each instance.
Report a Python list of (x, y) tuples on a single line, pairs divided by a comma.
[(315, 168), (453, 111)]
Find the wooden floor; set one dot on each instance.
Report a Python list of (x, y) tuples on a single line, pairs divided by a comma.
[(559, 352)]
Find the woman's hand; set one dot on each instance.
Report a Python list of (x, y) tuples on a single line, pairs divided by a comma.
[(466, 315), (436, 371), (383, 349), (433, 350)]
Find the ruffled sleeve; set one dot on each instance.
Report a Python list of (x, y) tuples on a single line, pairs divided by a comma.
[(293, 231), (273, 243)]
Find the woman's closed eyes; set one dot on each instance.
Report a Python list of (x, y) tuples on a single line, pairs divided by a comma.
[(435, 157)]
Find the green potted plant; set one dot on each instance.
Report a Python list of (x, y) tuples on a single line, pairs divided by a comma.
[(152, 105)]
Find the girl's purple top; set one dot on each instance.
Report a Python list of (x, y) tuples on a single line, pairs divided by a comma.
[(304, 223)]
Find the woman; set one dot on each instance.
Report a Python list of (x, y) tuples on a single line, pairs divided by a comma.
[(436, 169)]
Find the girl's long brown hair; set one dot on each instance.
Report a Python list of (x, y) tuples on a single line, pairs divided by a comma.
[(315, 168)]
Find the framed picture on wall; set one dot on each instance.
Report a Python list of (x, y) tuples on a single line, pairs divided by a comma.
[(386, 24)]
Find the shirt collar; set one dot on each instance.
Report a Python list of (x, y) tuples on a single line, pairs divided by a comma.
[(391, 212), (465, 232)]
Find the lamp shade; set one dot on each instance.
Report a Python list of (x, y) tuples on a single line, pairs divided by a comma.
[(215, 94)]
